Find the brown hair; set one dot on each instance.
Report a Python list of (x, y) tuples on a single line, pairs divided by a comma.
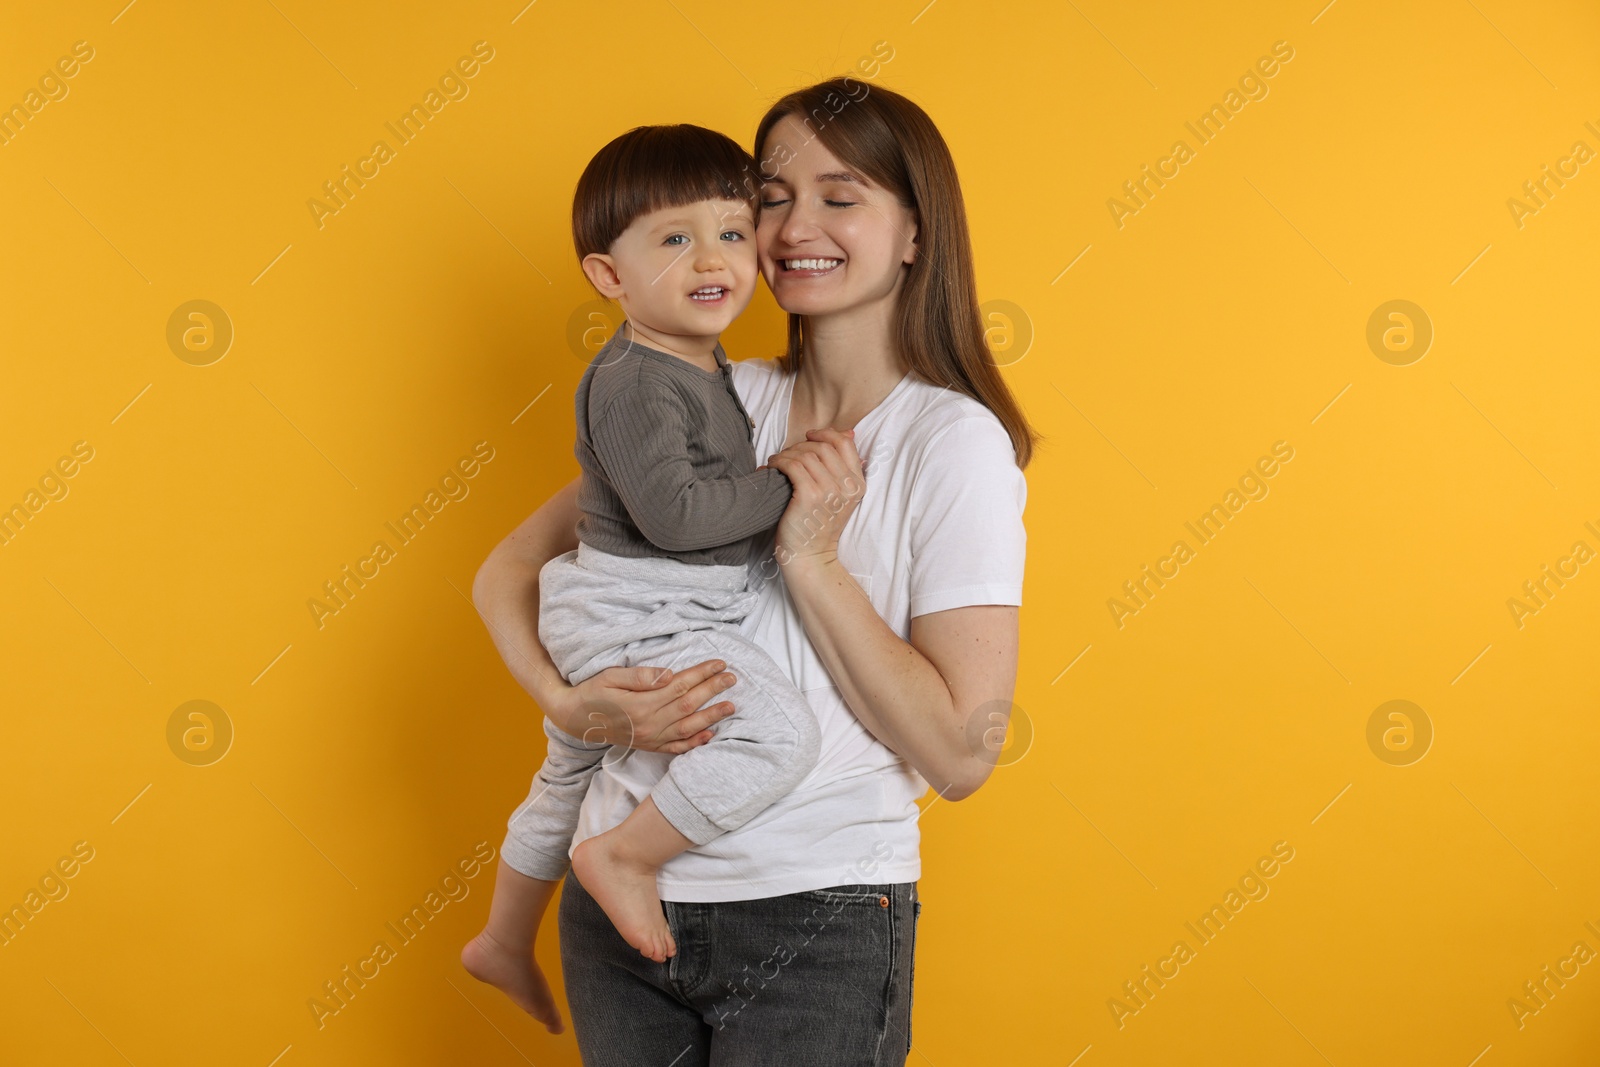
[(652, 167), (892, 142)]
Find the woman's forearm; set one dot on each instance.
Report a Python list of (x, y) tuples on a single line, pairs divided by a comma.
[(506, 594), (896, 692)]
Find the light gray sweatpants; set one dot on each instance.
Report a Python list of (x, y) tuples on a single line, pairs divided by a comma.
[(598, 610)]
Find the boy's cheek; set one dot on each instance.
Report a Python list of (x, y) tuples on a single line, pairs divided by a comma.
[(747, 280)]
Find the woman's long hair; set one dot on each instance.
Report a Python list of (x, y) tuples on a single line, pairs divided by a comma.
[(892, 142)]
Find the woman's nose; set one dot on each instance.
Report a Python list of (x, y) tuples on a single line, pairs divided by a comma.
[(798, 224)]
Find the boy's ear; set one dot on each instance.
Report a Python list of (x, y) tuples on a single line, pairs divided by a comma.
[(602, 272)]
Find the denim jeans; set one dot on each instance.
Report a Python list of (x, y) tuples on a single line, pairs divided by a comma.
[(815, 979)]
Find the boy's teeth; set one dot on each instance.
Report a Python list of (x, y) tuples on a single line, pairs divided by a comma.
[(709, 292), (812, 264)]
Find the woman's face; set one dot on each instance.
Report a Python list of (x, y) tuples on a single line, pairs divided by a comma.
[(829, 240)]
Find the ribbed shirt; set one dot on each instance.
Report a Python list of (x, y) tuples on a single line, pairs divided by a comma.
[(668, 458)]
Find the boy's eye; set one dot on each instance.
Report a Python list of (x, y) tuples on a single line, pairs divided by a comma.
[(735, 234), (675, 237)]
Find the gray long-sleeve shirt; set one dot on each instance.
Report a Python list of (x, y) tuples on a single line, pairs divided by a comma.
[(668, 459)]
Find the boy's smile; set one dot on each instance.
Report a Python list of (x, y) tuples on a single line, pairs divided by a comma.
[(712, 295)]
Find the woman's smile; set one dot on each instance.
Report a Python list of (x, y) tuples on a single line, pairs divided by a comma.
[(814, 267)]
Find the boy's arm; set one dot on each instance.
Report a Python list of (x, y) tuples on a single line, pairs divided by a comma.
[(642, 440)]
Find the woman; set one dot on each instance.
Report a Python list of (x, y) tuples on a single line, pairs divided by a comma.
[(895, 609)]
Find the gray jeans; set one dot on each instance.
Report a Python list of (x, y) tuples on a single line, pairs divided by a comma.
[(598, 610), (815, 979)]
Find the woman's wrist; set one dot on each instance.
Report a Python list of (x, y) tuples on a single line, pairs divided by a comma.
[(806, 567), (810, 580), (556, 699)]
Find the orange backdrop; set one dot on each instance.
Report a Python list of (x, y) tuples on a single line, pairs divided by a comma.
[(1302, 296)]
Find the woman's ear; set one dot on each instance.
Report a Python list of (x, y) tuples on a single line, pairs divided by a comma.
[(911, 238), (603, 275)]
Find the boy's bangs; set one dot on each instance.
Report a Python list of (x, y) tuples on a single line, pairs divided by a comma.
[(675, 174)]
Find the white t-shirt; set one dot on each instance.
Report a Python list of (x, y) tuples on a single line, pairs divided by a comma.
[(940, 527)]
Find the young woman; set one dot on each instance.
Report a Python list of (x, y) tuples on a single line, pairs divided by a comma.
[(894, 609)]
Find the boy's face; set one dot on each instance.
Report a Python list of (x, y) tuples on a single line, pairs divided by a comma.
[(681, 273)]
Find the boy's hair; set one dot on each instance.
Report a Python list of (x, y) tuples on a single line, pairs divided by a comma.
[(652, 167)]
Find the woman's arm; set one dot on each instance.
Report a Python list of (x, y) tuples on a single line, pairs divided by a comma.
[(627, 706), (506, 594), (934, 699)]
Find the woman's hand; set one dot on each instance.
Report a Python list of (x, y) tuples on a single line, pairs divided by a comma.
[(829, 481), (647, 708)]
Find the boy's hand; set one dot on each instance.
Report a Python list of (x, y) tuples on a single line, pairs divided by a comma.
[(829, 481), (651, 708)]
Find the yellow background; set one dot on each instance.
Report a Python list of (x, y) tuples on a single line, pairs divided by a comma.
[(1230, 713)]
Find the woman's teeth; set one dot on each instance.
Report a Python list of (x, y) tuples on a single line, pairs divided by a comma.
[(811, 264)]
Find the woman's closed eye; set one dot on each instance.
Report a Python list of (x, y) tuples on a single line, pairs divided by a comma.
[(830, 203)]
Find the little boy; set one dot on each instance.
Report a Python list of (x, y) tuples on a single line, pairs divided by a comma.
[(672, 505)]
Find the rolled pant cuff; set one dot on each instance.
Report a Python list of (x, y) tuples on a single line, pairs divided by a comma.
[(683, 815), (533, 862), (557, 733)]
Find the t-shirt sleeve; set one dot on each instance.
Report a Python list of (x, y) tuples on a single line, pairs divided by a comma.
[(641, 438), (968, 542)]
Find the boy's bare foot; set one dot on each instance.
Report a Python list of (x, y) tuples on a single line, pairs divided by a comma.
[(626, 889), (515, 974)]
